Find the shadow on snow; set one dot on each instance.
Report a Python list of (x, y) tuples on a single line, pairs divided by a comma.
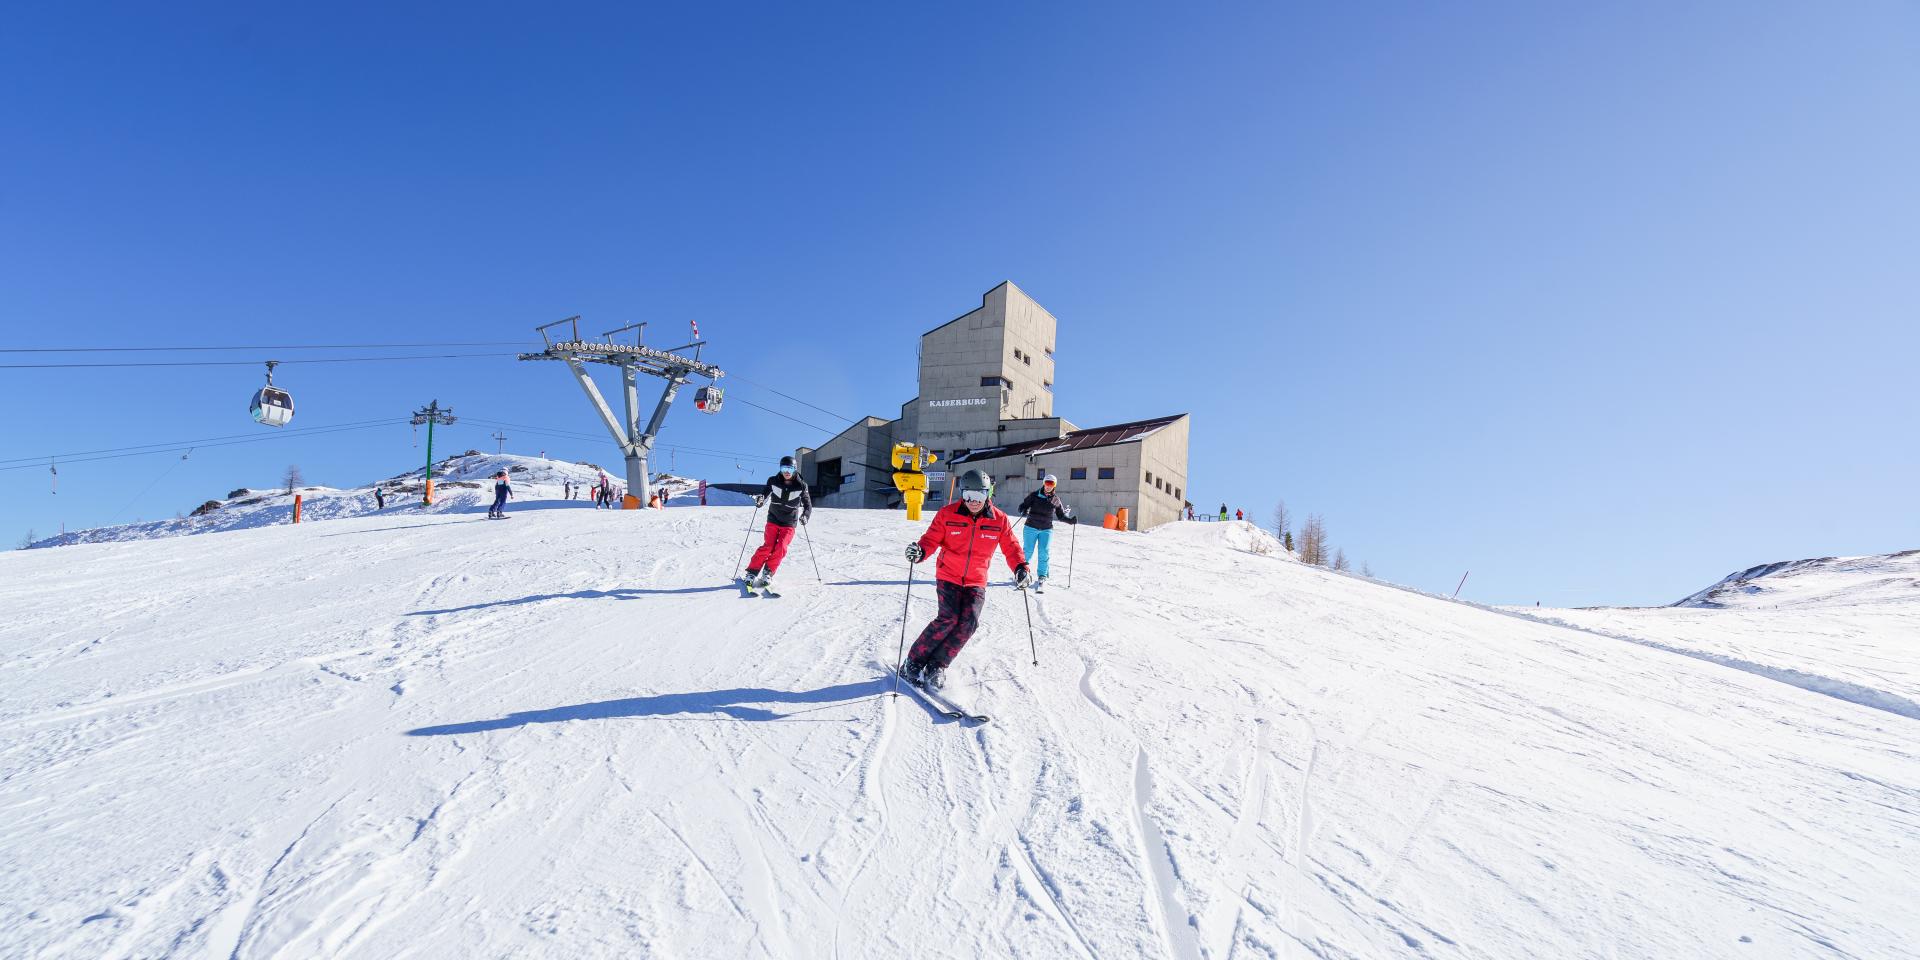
[(624, 593), (745, 703)]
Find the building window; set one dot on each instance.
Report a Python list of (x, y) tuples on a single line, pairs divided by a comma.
[(1049, 353), (1077, 473), (1106, 473), (1016, 353), (1149, 476), (1029, 359), (995, 382), (1178, 495), (1047, 385)]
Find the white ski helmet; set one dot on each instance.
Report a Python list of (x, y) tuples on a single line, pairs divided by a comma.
[(1050, 478)]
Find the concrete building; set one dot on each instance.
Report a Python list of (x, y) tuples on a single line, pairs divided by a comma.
[(987, 402)]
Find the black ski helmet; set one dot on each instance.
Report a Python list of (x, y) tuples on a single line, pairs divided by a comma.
[(975, 480), (786, 461)]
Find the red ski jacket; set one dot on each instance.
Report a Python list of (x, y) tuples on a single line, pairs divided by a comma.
[(965, 543)]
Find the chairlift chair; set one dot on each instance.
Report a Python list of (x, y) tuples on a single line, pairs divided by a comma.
[(271, 405)]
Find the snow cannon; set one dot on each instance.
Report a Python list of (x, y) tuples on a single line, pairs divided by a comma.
[(910, 463)]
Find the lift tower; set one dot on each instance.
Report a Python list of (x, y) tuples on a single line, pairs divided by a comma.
[(632, 359)]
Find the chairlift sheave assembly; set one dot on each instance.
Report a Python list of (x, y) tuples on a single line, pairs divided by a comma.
[(272, 405)]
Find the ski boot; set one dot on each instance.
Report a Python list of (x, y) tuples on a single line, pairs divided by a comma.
[(933, 677)]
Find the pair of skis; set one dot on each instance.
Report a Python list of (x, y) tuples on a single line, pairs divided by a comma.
[(751, 590), (939, 702)]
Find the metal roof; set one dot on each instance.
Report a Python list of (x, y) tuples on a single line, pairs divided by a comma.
[(1078, 440)]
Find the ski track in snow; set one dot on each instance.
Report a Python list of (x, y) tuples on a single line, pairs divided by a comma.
[(568, 736)]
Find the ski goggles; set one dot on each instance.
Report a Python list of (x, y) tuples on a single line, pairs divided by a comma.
[(974, 496), (786, 470)]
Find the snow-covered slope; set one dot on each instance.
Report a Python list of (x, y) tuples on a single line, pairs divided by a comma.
[(462, 484), (567, 736)]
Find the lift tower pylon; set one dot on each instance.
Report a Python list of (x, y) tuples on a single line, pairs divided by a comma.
[(633, 359)]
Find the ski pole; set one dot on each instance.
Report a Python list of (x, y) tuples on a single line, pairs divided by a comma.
[(1030, 643), (748, 538), (1070, 545), (805, 528), (905, 607)]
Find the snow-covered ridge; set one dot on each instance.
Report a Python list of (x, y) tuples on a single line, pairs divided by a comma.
[(1825, 580), (1844, 627), (462, 484)]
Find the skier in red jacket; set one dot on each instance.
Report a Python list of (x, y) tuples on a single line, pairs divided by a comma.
[(965, 533)]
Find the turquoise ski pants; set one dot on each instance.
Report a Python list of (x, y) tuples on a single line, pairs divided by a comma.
[(1028, 537)]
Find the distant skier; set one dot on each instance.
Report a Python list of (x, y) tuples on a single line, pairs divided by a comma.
[(1239, 515), (1223, 512), (566, 489), (379, 498), (968, 530), (502, 489), (788, 504), (1041, 508)]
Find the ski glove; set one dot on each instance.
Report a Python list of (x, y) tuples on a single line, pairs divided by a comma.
[(759, 500), (1022, 577), (916, 553)]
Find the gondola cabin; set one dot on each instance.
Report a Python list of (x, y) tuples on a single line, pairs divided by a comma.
[(707, 399), (272, 406)]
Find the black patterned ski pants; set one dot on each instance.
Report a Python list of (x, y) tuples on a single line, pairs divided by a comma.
[(953, 626)]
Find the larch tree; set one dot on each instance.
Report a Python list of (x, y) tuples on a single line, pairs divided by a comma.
[(1282, 524), (1313, 541), (1340, 560), (293, 477)]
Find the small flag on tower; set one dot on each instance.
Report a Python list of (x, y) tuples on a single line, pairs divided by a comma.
[(696, 328)]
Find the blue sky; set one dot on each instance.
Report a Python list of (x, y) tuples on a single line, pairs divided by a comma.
[(1600, 303)]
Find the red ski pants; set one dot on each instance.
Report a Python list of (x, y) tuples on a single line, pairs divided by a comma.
[(953, 626), (772, 550)]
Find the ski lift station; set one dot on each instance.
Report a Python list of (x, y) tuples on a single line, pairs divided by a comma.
[(987, 403)]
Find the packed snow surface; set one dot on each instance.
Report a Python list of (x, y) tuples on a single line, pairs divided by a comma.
[(567, 735)]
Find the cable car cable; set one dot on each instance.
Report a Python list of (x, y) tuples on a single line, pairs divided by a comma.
[(296, 431), (795, 399), (313, 432), (246, 363), (310, 346), (797, 420)]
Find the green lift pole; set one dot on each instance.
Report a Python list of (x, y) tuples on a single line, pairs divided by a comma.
[(431, 414)]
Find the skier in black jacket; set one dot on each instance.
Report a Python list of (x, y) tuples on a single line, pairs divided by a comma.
[(788, 504), (1041, 508)]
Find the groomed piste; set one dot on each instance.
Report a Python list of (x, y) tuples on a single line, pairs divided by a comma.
[(571, 736)]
